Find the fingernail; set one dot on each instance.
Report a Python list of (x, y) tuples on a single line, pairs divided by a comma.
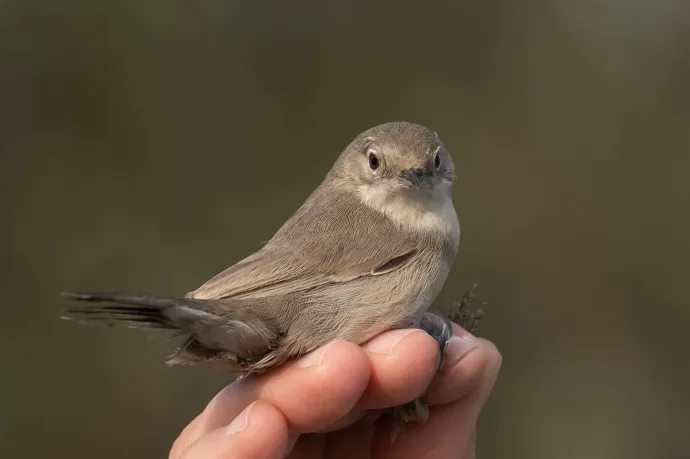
[(240, 423), (386, 343), (458, 348), (314, 357)]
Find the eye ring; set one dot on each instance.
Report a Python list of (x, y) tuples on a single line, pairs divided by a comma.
[(373, 161), (437, 161)]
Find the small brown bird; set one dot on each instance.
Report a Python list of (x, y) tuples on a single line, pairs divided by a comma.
[(368, 251)]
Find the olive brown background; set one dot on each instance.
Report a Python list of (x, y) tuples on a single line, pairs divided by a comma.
[(146, 146)]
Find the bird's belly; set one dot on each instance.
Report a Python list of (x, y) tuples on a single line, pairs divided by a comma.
[(427, 297), (360, 309)]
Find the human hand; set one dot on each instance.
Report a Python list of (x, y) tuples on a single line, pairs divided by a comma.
[(318, 406)]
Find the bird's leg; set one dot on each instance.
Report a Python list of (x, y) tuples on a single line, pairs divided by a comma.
[(441, 329)]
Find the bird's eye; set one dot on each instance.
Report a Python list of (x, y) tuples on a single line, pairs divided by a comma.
[(437, 162), (373, 161)]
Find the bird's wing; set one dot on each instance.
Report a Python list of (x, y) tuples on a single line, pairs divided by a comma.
[(333, 237)]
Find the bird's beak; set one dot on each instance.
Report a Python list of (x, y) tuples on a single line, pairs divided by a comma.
[(413, 176)]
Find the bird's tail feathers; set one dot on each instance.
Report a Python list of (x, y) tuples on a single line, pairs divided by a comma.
[(216, 330), (133, 310)]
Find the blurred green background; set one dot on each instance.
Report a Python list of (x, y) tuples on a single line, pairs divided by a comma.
[(148, 145)]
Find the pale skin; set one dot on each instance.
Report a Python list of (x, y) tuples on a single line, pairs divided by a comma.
[(334, 389)]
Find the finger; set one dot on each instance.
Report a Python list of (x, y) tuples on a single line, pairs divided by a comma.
[(312, 393), (466, 360), (350, 418), (260, 432), (320, 388), (471, 451), (403, 364), (450, 428), (186, 438)]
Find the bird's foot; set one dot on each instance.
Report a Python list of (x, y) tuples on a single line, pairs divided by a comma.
[(441, 329)]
